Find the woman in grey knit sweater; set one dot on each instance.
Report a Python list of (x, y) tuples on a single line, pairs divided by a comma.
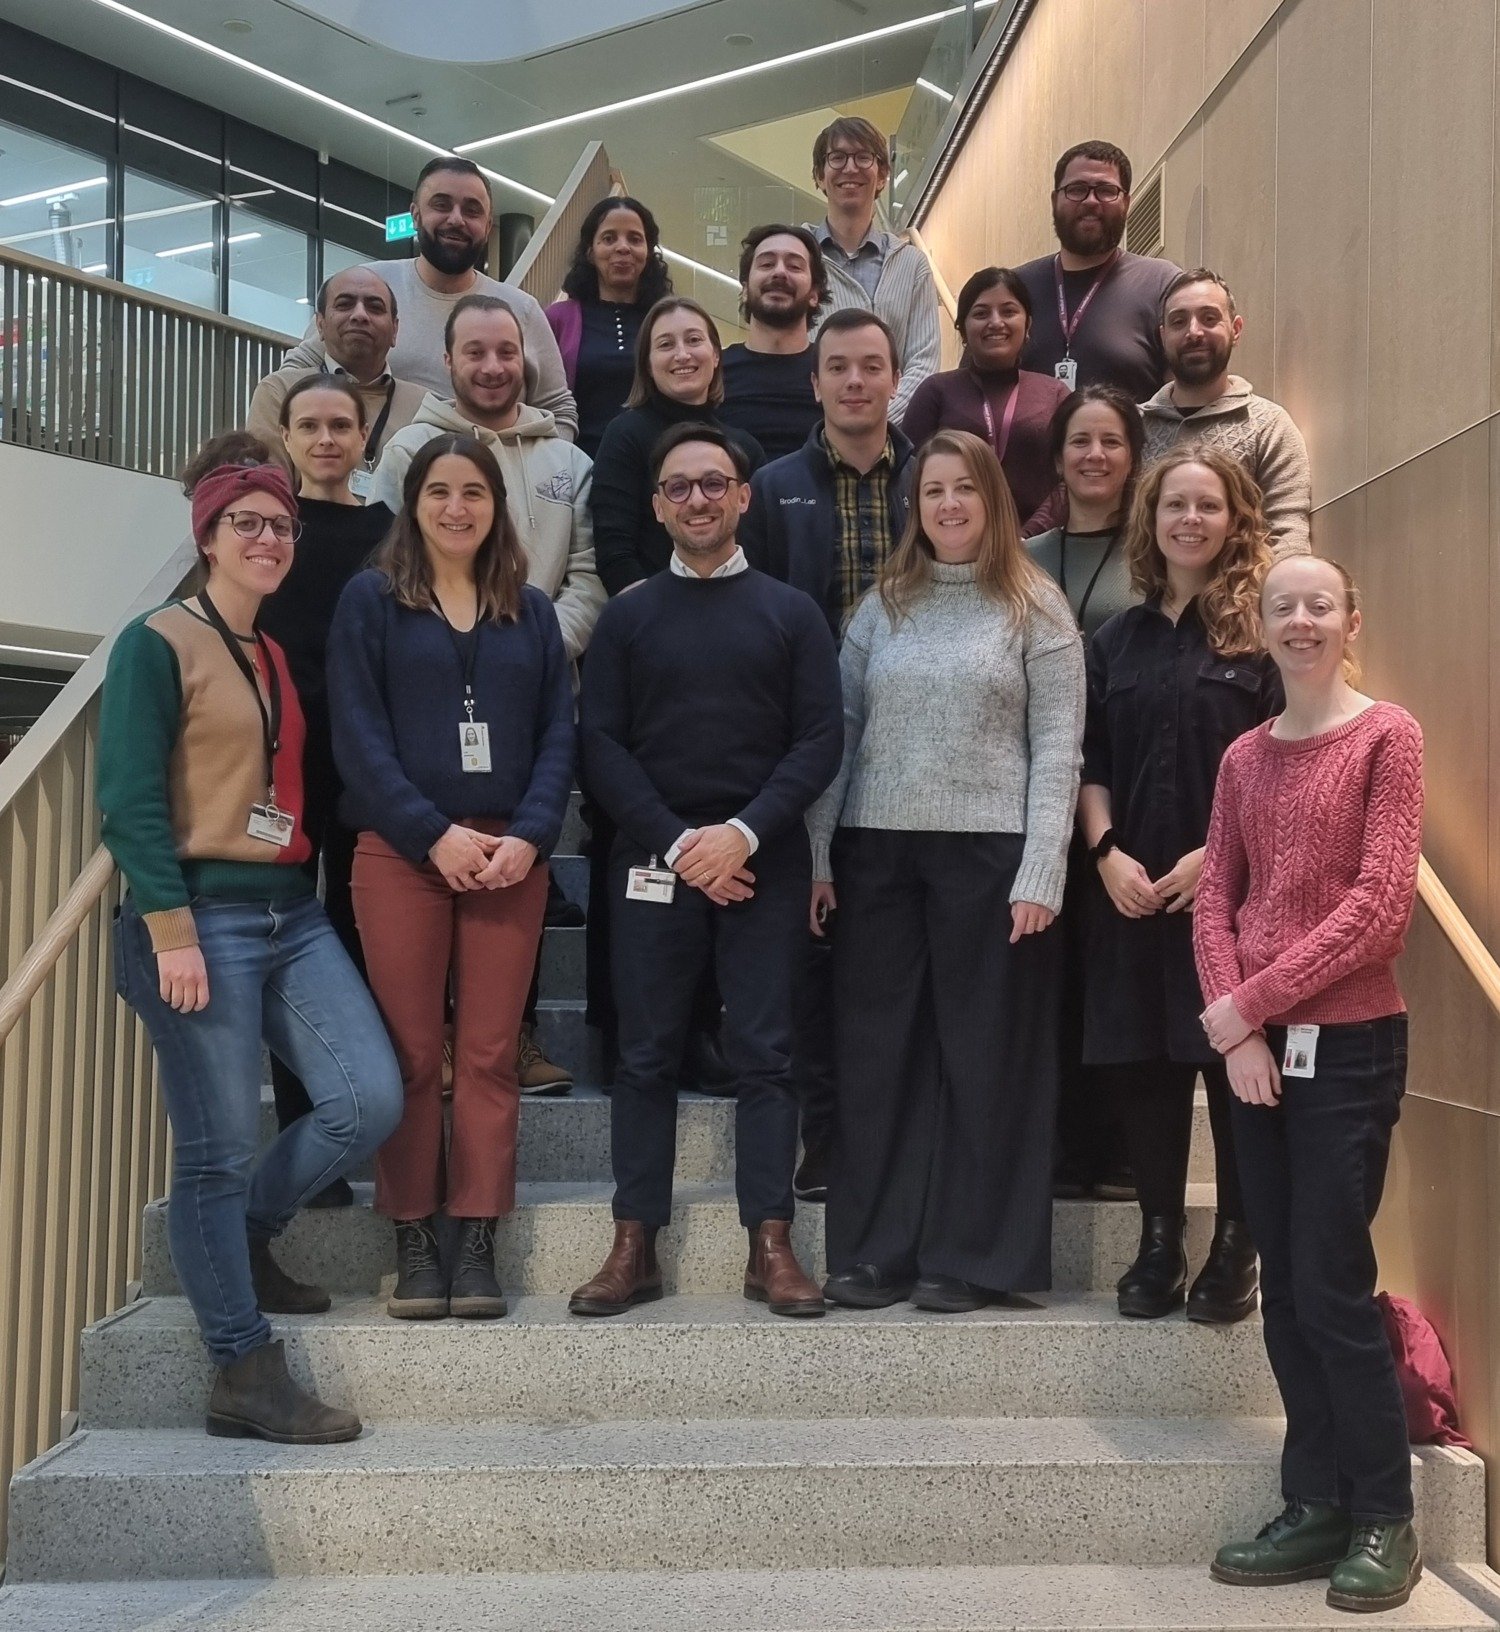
[(943, 844)]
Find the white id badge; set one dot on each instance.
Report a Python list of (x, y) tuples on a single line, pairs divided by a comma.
[(361, 480), (1067, 372), (653, 883), (270, 824), (1301, 1057), (474, 745)]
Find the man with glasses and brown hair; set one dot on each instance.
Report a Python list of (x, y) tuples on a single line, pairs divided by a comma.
[(1095, 307), (712, 718), (868, 267)]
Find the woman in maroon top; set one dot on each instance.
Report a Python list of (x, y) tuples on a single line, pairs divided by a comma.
[(1308, 881), (989, 395)]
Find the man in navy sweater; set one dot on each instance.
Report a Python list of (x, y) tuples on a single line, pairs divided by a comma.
[(712, 718)]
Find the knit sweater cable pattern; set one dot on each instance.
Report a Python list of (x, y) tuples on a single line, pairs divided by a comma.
[(1310, 871), (961, 720)]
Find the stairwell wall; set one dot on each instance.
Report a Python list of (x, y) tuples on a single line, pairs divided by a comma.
[(1336, 161)]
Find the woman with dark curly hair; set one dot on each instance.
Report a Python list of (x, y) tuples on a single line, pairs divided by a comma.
[(618, 274), (1171, 683)]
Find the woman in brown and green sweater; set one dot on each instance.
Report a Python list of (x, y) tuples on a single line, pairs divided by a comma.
[(221, 946)]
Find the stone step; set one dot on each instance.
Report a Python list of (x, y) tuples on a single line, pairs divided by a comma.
[(563, 964), (1068, 1354), (755, 1495), (1039, 1598), (559, 1234), (564, 1138)]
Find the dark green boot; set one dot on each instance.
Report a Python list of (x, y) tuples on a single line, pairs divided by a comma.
[(1383, 1565), (1305, 1540)]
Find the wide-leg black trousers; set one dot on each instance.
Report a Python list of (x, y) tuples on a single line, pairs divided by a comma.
[(946, 1063)]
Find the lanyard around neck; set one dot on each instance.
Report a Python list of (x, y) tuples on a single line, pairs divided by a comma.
[(1070, 324), (270, 718)]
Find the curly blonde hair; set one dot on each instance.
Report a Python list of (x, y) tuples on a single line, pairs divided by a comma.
[(1004, 571), (1229, 604)]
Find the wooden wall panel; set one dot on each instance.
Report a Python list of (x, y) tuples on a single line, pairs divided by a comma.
[(1172, 69)]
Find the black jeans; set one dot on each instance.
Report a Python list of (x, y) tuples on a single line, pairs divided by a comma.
[(1313, 1168), (812, 1037), (661, 955), (1153, 1100)]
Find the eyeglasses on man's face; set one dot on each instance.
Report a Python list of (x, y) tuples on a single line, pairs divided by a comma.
[(1107, 192), (713, 487), (841, 159), (251, 524)]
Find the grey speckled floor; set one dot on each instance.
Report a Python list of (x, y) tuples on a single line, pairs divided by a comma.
[(1064, 1599)]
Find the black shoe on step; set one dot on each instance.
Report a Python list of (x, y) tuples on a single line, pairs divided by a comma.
[(1070, 1181), (561, 912), (421, 1287), (1117, 1183), (866, 1286), (1155, 1284), (947, 1295), (704, 1067), (474, 1293), (337, 1194), (1226, 1287), (278, 1293), (810, 1181)]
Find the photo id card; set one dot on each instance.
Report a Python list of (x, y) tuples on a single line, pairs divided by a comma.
[(1067, 372), (1301, 1057), (271, 825), (474, 745), (652, 883), (361, 480)]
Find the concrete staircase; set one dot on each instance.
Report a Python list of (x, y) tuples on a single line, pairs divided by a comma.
[(696, 1465)]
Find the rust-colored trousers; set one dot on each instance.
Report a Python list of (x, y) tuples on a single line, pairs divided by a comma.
[(415, 931)]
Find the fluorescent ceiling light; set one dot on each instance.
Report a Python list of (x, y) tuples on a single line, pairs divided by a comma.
[(937, 90), (99, 266), (208, 243), (218, 52), (698, 266), (727, 77), (52, 192)]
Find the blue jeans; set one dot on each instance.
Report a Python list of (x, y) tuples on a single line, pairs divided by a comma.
[(276, 972)]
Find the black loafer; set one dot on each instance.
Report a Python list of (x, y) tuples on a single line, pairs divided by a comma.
[(947, 1295), (866, 1286)]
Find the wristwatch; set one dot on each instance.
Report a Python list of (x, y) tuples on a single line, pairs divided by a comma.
[(1108, 840)]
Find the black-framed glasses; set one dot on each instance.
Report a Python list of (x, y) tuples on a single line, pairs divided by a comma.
[(713, 487), (840, 160), (251, 524), (1107, 192)]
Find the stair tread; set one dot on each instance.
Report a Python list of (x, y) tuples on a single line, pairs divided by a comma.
[(1034, 1598), (634, 1446)]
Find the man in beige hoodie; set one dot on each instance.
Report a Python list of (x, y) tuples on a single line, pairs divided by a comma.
[(547, 485), (547, 478)]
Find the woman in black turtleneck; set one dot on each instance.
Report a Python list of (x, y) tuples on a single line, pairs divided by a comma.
[(678, 376), (324, 429), (989, 395)]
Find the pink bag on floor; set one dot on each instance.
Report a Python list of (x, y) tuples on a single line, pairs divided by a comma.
[(1426, 1377)]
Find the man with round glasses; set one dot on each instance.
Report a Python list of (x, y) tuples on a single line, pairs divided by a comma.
[(711, 720), (1095, 307), (867, 267)]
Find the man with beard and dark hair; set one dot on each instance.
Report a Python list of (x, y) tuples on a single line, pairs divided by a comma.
[(1094, 305), (452, 210), (768, 387), (1199, 330)]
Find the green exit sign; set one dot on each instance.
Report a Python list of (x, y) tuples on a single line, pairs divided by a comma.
[(398, 227)]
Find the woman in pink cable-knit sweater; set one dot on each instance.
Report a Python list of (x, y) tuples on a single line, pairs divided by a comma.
[(1307, 889)]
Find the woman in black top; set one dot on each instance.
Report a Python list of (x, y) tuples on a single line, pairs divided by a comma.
[(678, 376), (1171, 684), (324, 430), (617, 275)]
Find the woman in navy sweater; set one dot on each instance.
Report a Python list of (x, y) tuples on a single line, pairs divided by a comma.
[(453, 729)]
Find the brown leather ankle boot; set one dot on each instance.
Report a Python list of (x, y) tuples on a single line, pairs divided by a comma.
[(773, 1275), (629, 1274)]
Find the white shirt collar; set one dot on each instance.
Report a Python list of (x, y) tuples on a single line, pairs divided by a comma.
[(735, 564)]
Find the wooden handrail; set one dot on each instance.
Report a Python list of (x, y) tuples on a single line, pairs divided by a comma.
[(62, 273), (1476, 956), (944, 293), (56, 936)]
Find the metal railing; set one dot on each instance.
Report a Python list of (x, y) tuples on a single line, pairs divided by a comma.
[(542, 264), (102, 371), (83, 1137)]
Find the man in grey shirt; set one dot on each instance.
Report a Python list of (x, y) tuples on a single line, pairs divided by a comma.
[(1204, 402), (452, 210)]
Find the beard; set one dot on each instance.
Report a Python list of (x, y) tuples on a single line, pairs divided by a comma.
[(778, 317), (449, 257), (1203, 364), (691, 544), (1096, 236)]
